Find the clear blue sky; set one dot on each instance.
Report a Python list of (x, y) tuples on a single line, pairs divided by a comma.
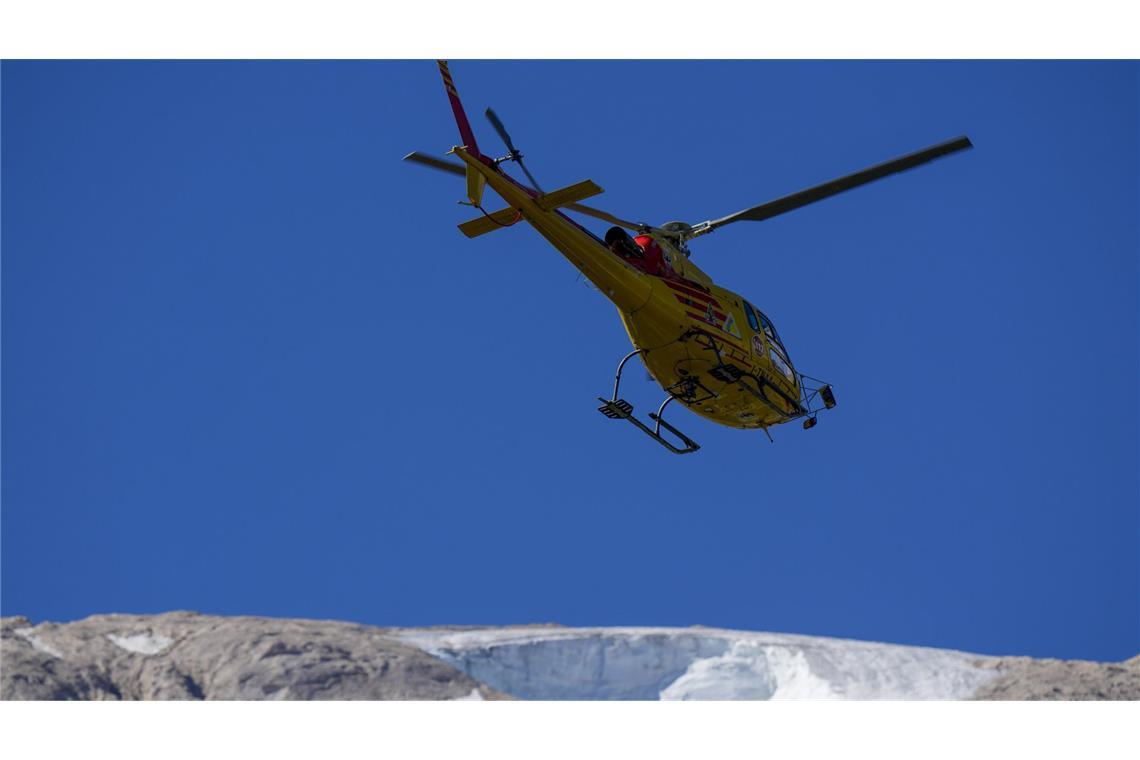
[(251, 367)]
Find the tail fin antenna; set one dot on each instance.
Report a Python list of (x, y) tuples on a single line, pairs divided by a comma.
[(465, 132)]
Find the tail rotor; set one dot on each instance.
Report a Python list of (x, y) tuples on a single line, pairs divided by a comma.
[(514, 154)]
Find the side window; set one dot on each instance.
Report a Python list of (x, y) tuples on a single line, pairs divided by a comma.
[(779, 354), (751, 317), (767, 328)]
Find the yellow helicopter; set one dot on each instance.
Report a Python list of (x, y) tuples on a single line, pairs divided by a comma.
[(708, 347)]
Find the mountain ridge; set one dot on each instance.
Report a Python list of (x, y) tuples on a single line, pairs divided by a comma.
[(188, 656)]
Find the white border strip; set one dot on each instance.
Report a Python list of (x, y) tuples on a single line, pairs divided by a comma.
[(580, 29), (578, 730)]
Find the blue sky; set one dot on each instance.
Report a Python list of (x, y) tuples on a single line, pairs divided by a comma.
[(251, 367)]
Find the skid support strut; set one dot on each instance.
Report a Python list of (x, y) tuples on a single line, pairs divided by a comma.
[(619, 409)]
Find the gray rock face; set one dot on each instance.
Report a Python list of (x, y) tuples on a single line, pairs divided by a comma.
[(1023, 678), (183, 655)]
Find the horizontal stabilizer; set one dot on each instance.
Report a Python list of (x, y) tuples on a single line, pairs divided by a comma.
[(484, 224), (567, 195)]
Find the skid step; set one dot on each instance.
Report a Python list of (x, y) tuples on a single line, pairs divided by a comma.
[(616, 410), (620, 409)]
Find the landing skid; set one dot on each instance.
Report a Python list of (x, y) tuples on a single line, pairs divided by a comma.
[(619, 409)]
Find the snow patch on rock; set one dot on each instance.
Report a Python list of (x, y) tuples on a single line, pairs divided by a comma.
[(141, 643), (28, 634), (474, 696)]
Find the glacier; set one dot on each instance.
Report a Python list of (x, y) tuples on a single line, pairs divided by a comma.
[(698, 663)]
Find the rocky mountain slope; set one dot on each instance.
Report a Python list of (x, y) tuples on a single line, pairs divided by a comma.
[(1026, 678), (184, 655)]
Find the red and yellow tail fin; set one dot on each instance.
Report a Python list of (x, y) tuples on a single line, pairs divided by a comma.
[(475, 180), (465, 133)]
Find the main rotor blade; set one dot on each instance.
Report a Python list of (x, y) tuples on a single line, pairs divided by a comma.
[(599, 214), (436, 163), (836, 186)]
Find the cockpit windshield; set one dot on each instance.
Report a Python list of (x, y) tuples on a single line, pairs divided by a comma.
[(778, 354)]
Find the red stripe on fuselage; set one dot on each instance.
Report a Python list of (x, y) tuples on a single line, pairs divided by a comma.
[(704, 319), (689, 290), (720, 338), (687, 302)]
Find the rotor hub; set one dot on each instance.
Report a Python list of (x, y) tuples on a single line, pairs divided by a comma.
[(679, 229)]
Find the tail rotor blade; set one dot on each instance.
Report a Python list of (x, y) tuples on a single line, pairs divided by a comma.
[(515, 156), (530, 176), (498, 125)]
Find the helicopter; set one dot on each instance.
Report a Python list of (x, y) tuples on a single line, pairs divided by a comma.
[(708, 347)]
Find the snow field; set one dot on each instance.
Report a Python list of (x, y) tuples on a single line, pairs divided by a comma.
[(698, 663)]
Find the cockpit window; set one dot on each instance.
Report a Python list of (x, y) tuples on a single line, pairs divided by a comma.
[(779, 354), (768, 329), (748, 312)]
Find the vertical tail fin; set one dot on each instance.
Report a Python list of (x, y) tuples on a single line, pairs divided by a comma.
[(465, 132)]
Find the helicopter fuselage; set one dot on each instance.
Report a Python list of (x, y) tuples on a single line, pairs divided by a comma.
[(705, 345)]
